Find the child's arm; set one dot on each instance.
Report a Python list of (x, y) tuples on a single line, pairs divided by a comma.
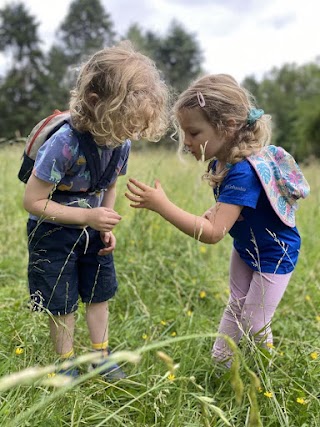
[(209, 228), (37, 201), (108, 238)]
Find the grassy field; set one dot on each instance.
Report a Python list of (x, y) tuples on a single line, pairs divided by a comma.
[(172, 291)]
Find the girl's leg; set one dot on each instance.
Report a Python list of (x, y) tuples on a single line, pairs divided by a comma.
[(265, 293), (62, 332), (230, 324), (97, 316)]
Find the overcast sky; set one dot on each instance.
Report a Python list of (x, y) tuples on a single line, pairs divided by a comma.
[(239, 37)]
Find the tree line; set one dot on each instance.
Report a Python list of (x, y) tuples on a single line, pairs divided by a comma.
[(37, 81)]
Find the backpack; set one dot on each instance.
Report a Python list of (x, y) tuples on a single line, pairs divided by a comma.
[(43, 130)]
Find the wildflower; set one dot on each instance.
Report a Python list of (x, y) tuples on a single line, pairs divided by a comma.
[(301, 401), (173, 334), (314, 355), (19, 350), (308, 298), (171, 377), (268, 394), (144, 336), (202, 249), (318, 318), (163, 322), (189, 313), (270, 345), (202, 294), (51, 375)]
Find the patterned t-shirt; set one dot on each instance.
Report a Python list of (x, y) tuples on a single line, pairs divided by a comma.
[(262, 240), (60, 161)]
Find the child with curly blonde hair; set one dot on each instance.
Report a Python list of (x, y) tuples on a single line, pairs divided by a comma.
[(256, 187), (119, 95)]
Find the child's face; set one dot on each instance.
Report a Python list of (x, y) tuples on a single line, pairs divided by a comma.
[(201, 139)]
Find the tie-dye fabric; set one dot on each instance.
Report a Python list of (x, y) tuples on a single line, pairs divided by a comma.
[(282, 180)]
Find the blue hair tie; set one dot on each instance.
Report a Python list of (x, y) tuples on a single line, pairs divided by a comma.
[(254, 115)]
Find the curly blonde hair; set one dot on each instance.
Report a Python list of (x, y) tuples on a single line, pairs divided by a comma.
[(120, 94), (225, 105)]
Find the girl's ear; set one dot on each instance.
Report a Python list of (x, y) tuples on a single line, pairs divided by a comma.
[(231, 123), (93, 98)]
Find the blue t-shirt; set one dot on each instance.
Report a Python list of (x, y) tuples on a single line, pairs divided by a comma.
[(60, 161), (262, 240)]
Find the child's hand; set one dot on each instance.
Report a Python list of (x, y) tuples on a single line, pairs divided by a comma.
[(102, 219), (109, 240), (146, 197)]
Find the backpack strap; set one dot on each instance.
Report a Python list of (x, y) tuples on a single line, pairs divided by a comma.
[(91, 153), (107, 175), (98, 180)]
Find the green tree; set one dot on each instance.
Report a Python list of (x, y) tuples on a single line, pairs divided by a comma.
[(180, 56), (177, 54), (21, 88), (18, 35), (86, 28)]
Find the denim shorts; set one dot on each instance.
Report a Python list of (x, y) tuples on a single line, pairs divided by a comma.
[(64, 264)]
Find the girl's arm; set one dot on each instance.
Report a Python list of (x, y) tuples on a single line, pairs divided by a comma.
[(209, 228), (37, 202)]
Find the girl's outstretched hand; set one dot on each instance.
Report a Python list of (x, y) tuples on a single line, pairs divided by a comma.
[(146, 197)]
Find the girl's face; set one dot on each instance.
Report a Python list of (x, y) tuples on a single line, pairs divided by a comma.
[(200, 136)]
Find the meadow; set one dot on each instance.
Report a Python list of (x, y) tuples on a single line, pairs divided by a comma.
[(163, 320)]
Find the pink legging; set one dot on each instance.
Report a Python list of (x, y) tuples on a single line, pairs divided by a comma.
[(254, 297)]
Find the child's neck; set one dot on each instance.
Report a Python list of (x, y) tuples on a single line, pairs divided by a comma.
[(221, 164)]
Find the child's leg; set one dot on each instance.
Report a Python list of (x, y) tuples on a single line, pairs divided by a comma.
[(230, 324), (97, 315), (62, 332), (265, 293)]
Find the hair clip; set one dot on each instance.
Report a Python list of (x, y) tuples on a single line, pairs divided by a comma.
[(253, 115), (201, 100)]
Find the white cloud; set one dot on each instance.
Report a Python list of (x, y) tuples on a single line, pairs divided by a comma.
[(237, 37)]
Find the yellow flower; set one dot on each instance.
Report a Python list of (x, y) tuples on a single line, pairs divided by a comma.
[(268, 394), (189, 313), (173, 334), (202, 294), (314, 355), (171, 377), (19, 351), (308, 298), (51, 375), (163, 322), (144, 336), (301, 401), (318, 318), (270, 345), (202, 249)]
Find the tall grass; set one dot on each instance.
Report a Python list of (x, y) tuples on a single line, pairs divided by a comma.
[(172, 291)]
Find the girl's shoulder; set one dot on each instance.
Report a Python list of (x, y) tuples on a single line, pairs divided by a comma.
[(241, 168)]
